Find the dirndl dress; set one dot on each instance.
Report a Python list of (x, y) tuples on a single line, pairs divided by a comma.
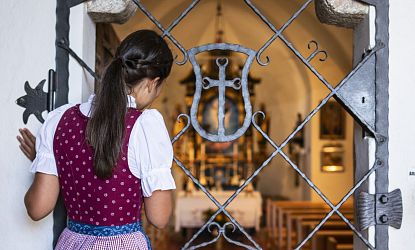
[(102, 214)]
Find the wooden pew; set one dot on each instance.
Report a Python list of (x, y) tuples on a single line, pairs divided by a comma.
[(332, 244), (277, 210), (316, 240), (276, 215), (298, 218), (305, 226)]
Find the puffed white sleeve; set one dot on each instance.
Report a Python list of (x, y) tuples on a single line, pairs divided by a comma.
[(45, 159), (152, 153)]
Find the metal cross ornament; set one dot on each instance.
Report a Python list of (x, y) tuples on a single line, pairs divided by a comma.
[(222, 84), (236, 83)]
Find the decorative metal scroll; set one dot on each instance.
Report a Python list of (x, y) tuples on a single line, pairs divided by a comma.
[(316, 51), (373, 115), (36, 101), (221, 84)]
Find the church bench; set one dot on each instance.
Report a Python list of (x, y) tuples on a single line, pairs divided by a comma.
[(306, 225), (317, 241), (333, 244), (274, 215), (278, 210), (298, 218)]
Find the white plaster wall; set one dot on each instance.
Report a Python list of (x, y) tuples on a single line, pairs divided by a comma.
[(27, 38), (402, 117), (27, 53), (82, 40)]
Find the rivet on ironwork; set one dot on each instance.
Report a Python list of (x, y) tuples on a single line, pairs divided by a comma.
[(384, 199), (383, 218), (379, 162), (316, 51), (382, 139)]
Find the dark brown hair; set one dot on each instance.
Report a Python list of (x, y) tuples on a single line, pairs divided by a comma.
[(143, 54)]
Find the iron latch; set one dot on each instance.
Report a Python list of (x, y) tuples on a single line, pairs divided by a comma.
[(380, 209)]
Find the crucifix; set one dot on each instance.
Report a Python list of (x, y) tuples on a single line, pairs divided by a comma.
[(222, 84)]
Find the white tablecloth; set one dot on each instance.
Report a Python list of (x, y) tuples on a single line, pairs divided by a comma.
[(190, 208)]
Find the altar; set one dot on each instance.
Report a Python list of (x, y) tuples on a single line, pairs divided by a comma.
[(221, 166), (190, 210)]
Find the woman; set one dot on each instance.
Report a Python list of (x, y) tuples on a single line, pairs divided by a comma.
[(108, 156)]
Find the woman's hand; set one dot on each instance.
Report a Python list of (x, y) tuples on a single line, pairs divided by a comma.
[(27, 143)]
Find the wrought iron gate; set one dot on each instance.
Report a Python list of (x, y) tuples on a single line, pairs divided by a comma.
[(367, 82)]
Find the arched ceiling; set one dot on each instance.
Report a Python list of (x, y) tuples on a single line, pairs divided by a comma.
[(242, 25)]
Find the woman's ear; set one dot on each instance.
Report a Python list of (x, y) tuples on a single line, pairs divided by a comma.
[(153, 83)]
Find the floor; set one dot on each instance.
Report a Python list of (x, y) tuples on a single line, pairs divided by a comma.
[(164, 241)]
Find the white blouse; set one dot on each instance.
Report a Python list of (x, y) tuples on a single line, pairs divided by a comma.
[(150, 152)]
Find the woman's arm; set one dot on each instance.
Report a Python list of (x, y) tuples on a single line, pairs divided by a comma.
[(42, 195), (158, 208), (151, 155)]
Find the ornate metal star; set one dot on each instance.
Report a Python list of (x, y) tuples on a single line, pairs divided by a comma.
[(35, 101)]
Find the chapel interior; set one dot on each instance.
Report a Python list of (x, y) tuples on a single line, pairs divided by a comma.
[(278, 208)]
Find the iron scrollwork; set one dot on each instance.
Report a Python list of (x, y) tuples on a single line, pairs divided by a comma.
[(316, 51), (222, 84), (221, 231)]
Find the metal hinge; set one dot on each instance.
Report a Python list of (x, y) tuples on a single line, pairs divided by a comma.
[(380, 209), (36, 100)]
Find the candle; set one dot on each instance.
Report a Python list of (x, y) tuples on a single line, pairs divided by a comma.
[(191, 153), (235, 150), (235, 177), (249, 154), (202, 151)]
